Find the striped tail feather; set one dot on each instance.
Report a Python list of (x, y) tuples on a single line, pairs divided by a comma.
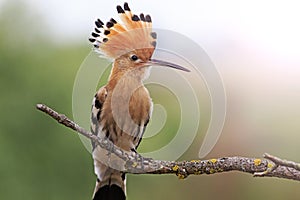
[(111, 183), (109, 192)]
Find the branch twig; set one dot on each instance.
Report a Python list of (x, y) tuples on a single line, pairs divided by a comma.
[(131, 162)]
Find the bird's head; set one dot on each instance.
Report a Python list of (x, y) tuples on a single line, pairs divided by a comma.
[(130, 44), (141, 58)]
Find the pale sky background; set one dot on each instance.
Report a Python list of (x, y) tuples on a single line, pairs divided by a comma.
[(271, 25), (268, 28)]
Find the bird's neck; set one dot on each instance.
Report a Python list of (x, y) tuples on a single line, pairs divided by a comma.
[(127, 78)]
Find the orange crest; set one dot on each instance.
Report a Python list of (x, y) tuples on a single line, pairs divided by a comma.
[(115, 39)]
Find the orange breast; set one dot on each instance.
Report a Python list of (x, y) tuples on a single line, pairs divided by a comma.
[(124, 117)]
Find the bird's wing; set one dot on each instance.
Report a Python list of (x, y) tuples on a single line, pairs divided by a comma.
[(98, 101), (142, 130), (110, 183)]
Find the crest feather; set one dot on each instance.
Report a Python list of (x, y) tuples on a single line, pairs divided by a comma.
[(114, 39)]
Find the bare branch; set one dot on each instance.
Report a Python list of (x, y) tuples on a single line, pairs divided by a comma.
[(132, 162), (281, 162)]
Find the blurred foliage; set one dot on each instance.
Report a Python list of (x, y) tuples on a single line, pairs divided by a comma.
[(41, 159)]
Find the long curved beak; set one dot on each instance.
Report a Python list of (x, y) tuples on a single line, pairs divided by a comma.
[(166, 64)]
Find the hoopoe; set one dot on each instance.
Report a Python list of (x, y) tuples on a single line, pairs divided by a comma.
[(121, 109)]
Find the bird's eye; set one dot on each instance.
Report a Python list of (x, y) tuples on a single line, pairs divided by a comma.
[(134, 57)]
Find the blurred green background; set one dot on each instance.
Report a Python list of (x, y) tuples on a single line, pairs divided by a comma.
[(41, 159)]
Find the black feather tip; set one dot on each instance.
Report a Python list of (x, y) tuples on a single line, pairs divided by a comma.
[(135, 18), (92, 40), (142, 16), (99, 23), (126, 7), (112, 20), (154, 35), (120, 9), (95, 34), (148, 18), (109, 24), (106, 32), (153, 44)]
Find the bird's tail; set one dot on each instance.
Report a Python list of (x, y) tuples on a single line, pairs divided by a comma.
[(110, 183), (108, 192)]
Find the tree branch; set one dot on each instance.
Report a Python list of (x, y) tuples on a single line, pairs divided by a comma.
[(131, 162)]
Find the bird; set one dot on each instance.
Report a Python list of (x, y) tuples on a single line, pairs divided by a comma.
[(122, 108)]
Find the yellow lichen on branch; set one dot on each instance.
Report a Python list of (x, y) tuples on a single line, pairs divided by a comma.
[(132, 162)]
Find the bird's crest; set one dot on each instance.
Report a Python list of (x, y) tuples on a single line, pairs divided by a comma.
[(114, 39)]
